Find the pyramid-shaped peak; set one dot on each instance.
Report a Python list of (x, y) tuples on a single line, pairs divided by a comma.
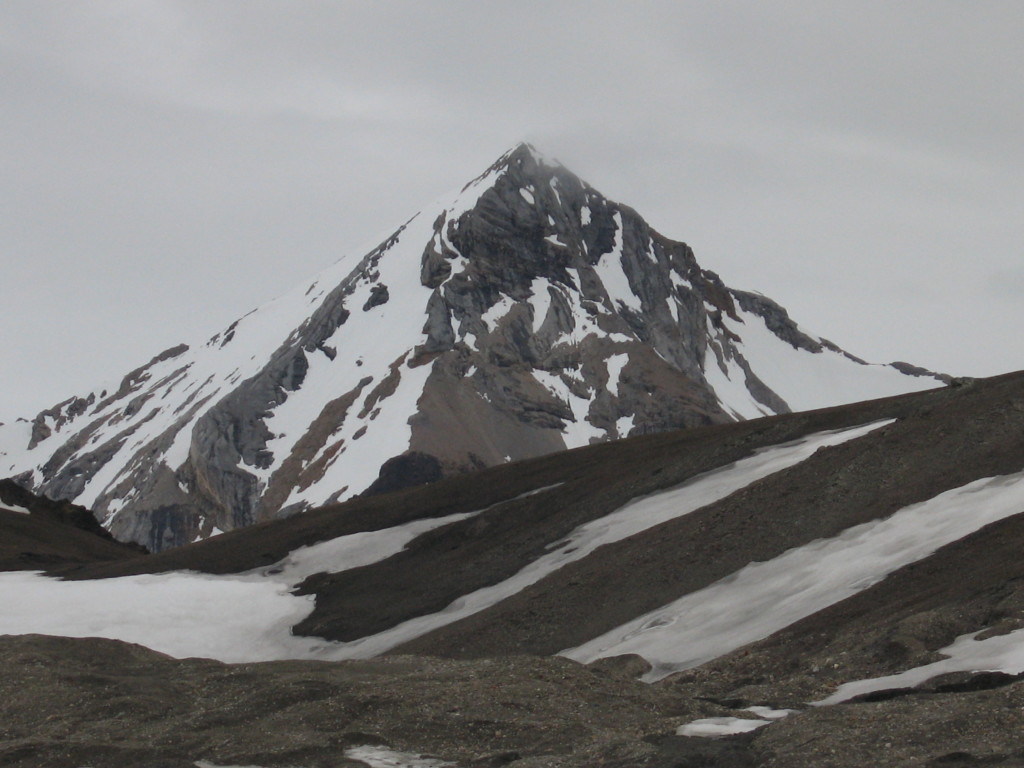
[(522, 166), (525, 158), (524, 151)]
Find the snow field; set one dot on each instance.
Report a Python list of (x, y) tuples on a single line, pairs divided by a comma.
[(235, 618), (633, 518), (807, 380), (248, 617), (763, 598)]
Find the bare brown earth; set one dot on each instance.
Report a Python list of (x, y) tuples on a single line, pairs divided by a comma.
[(53, 534), (470, 695), (66, 703), (31, 544)]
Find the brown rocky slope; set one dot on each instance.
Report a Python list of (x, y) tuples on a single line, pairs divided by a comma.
[(470, 696)]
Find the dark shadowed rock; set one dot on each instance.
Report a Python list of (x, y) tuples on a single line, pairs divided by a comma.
[(406, 471)]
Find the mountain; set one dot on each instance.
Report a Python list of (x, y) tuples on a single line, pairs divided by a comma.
[(837, 587), (524, 315)]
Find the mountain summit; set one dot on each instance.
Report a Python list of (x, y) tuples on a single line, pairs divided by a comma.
[(525, 314)]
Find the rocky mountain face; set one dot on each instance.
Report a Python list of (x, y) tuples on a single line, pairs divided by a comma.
[(524, 315), (840, 587)]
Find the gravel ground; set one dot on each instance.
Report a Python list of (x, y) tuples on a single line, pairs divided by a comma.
[(68, 703)]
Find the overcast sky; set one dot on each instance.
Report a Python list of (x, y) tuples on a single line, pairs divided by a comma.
[(167, 165)]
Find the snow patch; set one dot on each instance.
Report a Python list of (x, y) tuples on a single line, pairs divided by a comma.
[(613, 276), (678, 281), (558, 195), (650, 251), (768, 713), (714, 727), (381, 757), (1001, 653), (729, 381), (615, 364), (541, 301), (763, 598), (579, 431), (496, 311)]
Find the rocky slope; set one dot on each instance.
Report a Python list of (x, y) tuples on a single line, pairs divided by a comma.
[(524, 315), (68, 703), (858, 566), (41, 534)]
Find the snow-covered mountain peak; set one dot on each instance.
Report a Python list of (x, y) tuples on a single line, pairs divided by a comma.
[(520, 315), (524, 156)]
